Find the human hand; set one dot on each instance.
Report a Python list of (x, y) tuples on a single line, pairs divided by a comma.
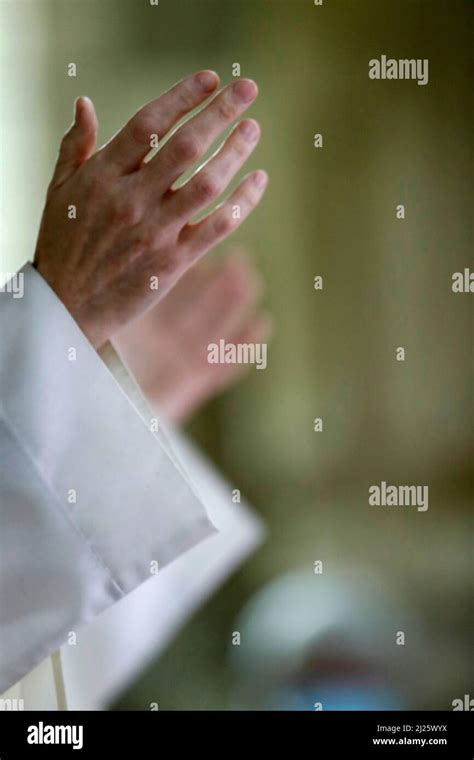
[(132, 226), (166, 348)]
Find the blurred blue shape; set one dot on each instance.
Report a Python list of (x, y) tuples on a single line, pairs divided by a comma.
[(337, 696)]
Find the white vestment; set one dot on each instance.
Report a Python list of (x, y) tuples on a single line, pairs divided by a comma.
[(110, 534)]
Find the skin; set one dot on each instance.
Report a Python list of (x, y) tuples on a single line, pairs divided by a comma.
[(166, 349), (132, 225)]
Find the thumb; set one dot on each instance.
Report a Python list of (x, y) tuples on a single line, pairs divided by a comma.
[(78, 144)]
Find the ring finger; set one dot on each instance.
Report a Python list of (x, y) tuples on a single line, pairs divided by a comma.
[(207, 184)]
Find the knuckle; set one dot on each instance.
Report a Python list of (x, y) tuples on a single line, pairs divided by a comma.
[(184, 100), (66, 140), (251, 197), (240, 148), (148, 239), (67, 145), (207, 188), (225, 109), (125, 213), (96, 186), (186, 148), (223, 225), (167, 261), (143, 125)]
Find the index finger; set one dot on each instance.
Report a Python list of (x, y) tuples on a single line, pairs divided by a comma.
[(132, 143)]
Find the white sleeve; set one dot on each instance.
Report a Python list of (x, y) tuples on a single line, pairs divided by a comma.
[(109, 653), (90, 501)]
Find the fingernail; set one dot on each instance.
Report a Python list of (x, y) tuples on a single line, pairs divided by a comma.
[(246, 90), (260, 178), (79, 105), (250, 129), (207, 80)]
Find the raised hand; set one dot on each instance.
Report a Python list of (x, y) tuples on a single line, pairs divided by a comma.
[(166, 348), (113, 226)]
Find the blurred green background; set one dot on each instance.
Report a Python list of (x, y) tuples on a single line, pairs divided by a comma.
[(387, 283)]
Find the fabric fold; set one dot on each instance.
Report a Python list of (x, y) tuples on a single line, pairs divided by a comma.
[(92, 504)]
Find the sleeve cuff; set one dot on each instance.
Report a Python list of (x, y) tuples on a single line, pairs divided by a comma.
[(109, 481)]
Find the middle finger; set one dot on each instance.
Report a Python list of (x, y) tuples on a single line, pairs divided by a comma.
[(207, 184), (195, 137)]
